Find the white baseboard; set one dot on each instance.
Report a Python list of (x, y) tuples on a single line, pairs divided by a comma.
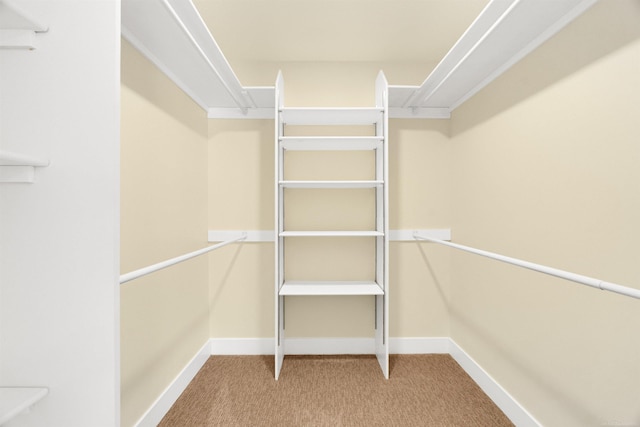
[(241, 346), (296, 346), (419, 345), (163, 403), (512, 409), (258, 346)]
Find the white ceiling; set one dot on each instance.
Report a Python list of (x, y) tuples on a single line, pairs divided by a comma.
[(337, 30)]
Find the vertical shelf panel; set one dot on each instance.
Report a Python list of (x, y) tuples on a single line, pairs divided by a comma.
[(382, 211), (279, 227)]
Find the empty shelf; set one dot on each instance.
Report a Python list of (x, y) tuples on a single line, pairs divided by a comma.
[(330, 184), (331, 116), (330, 288), (14, 400), (331, 234), (15, 167), (331, 143), (8, 158)]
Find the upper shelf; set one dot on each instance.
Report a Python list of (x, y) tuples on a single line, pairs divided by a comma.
[(331, 143), (331, 116), (172, 34), (503, 33), (17, 29), (8, 158), (18, 168)]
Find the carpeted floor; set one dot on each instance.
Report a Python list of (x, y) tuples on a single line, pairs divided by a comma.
[(423, 390)]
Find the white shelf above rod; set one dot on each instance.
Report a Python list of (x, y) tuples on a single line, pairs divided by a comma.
[(18, 30), (18, 168)]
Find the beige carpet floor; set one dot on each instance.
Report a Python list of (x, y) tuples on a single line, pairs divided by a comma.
[(423, 390)]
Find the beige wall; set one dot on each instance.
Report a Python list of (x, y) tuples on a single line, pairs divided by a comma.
[(547, 153), (241, 174), (419, 198), (164, 316), (545, 168)]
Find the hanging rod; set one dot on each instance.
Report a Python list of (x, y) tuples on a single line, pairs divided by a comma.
[(578, 278), (168, 263)]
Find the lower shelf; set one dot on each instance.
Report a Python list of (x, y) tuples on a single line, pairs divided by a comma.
[(330, 288), (14, 400)]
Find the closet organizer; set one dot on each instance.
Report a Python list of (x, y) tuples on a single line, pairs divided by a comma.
[(373, 122)]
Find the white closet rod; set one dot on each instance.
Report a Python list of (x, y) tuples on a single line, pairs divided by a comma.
[(168, 263), (578, 278)]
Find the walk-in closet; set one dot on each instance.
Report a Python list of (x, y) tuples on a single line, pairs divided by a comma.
[(215, 210)]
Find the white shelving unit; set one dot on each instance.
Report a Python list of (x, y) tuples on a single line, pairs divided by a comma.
[(334, 117)]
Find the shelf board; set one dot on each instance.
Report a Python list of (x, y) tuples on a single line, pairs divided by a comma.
[(331, 143), (331, 234), (331, 116), (330, 288), (330, 184), (14, 400), (8, 158), (18, 168), (17, 30)]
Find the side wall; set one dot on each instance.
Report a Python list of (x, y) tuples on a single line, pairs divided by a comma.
[(164, 315), (546, 169), (241, 174), (59, 241)]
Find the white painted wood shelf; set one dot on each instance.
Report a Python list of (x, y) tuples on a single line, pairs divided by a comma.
[(331, 116), (318, 288), (331, 184), (19, 168), (17, 29), (363, 122), (269, 235), (330, 143), (332, 233), (16, 400)]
